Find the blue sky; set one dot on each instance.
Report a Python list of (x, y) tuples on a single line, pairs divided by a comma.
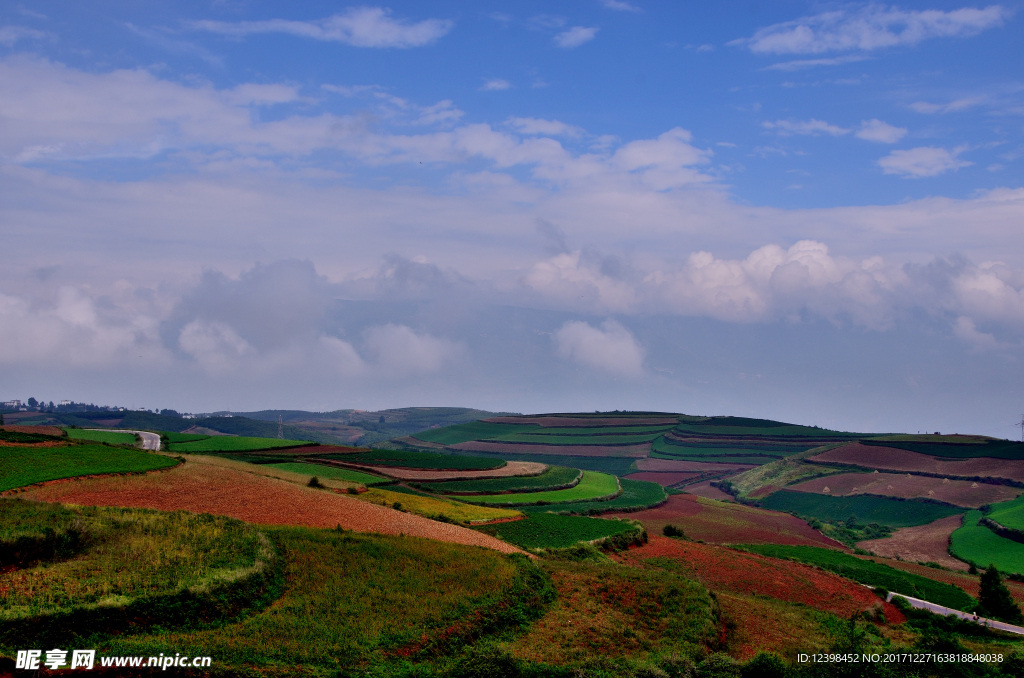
[(809, 211)]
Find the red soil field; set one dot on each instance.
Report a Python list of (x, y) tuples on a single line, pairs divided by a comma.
[(705, 490), (512, 468), (635, 451), (757, 624), (689, 466), (892, 459), (923, 543), (199, 488), (584, 421), (663, 479), (722, 523), (959, 492), (723, 569), (44, 430)]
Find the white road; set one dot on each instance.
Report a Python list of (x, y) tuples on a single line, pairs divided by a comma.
[(946, 611), (150, 441)]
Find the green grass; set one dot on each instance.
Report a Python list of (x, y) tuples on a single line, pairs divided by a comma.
[(354, 600), (110, 437), (870, 573), (21, 466), (474, 430), (592, 486), (423, 460), (548, 530), (977, 544), (234, 444), (321, 471), (175, 437), (987, 447), (554, 477), (546, 439), (866, 508), (636, 495)]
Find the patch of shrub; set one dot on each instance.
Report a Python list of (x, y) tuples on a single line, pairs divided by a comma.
[(673, 531)]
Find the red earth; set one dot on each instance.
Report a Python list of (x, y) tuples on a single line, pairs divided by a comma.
[(705, 490), (689, 466), (892, 459)]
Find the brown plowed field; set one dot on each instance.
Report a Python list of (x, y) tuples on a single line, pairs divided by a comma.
[(689, 466), (585, 421), (512, 468), (923, 543), (728, 523), (635, 451), (959, 492), (705, 490), (200, 488), (44, 430), (893, 459), (723, 569), (663, 479)]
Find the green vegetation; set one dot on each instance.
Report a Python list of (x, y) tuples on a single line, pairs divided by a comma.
[(463, 433), (863, 508), (619, 466), (870, 573), (23, 438), (422, 460), (1009, 513), (546, 439), (548, 530), (722, 459), (741, 426), (779, 474), (323, 471), (235, 444), (954, 447), (435, 508), (173, 437), (598, 430), (704, 446), (553, 478), (974, 543), (21, 466), (593, 485), (636, 495), (109, 437), (994, 599)]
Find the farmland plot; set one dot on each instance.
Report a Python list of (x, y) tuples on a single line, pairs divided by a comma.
[(976, 543), (109, 437), (595, 450), (548, 530), (22, 466), (334, 472), (512, 468), (435, 508), (417, 460), (233, 444), (923, 543), (592, 486), (892, 459), (964, 493), (866, 509), (555, 477), (1009, 514), (636, 495)]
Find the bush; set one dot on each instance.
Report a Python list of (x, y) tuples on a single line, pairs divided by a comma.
[(678, 666), (764, 665), (315, 482), (673, 531), (719, 665)]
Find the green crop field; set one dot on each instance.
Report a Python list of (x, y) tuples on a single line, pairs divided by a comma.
[(235, 444), (545, 439), (1009, 513), (21, 466), (727, 459), (423, 460), (474, 430), (867, 509), (110, 437), (322, 471), (870, 573), (977, 544), (756, 427), (728, 446), (593, 486), (636, 495), (554, 477), (985, 447), (175, 437), (619, 466), (548, 530), (598, 430)]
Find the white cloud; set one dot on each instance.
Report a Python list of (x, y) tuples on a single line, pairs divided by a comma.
[(12, 34), (951, 107), (495, 85), (801, 64), (215, 346), (810, 127), (358, 26), (872, 27), (575, 36), (882, 132), (534, 126), (924, 161), (620, 6), (610, 348), (398, 350), (965, 330)]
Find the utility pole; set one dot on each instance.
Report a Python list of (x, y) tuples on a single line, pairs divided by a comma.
[(280, 427), (1021, 424)]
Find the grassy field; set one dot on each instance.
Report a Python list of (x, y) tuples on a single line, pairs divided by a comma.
[(870, 573), (233, 444), (21, 466), (333, 472), (942, 446), (976, 543), (475, 430), (422, 460), (175, 437), (554, 477), (110, 437), (592, 486), (636, 495), (435, 508), (548, 530), (866, 509), (1009, 513)]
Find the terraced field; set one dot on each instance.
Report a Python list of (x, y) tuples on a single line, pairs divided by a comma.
[(554, 478), (322, 471), (416, 460), (894, 459), (975, 543), (636, 495), (865, 509), (592, 486), (547, 530), (233, 444), (964, 493)]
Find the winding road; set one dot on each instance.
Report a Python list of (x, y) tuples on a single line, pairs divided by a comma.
[(939, 609)]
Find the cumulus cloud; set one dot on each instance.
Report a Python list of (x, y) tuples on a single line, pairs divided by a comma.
[(870, 28), (610, 348), (535, 126), (810, 127), (358, 26), (215, 346), (495, 85), (575, 36), (400, 351), (882, 132), (924, 161)]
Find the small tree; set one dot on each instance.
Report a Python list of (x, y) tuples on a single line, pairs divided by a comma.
[(995, 600)]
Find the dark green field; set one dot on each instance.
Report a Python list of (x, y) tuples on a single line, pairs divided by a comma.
[(604, 439), (870, 573), (476, 430), (424, 460), (636, 495), (999, 449), (864, 508), (554, 478), (21, 466), (110, 437), (174, 437), (547, 530), (234, 444)]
